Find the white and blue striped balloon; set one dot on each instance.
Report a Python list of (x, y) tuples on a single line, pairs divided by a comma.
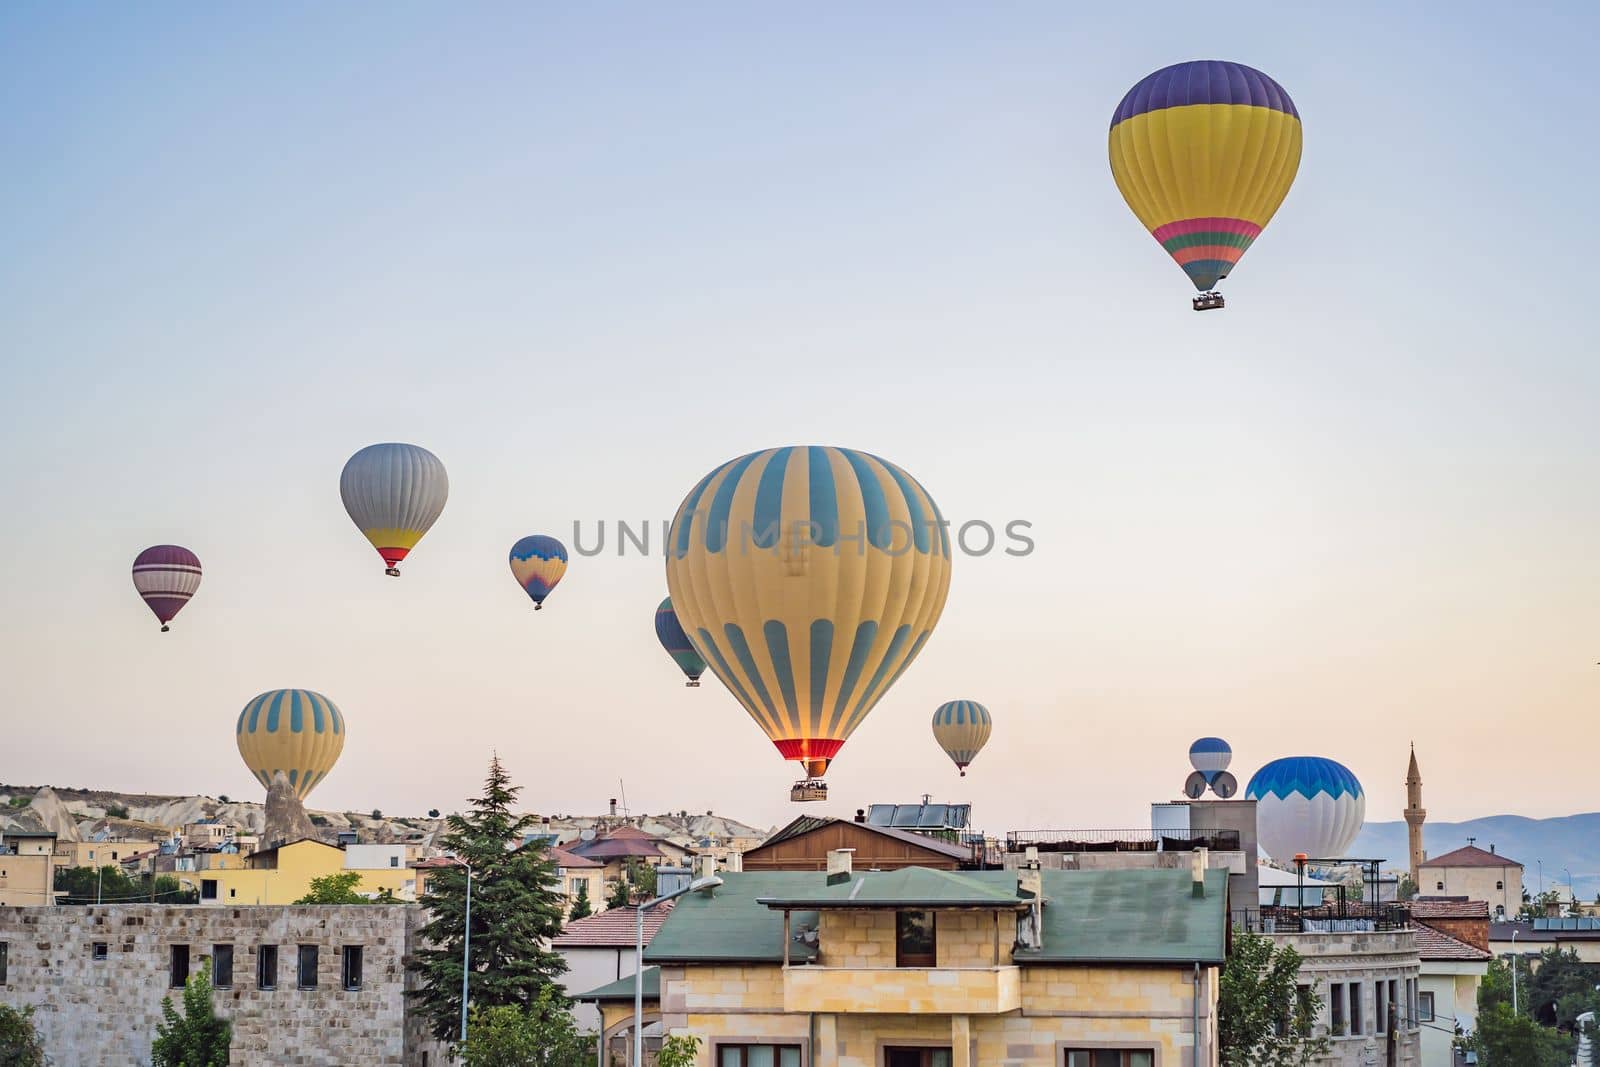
[(1307, 804), (1210, 756)]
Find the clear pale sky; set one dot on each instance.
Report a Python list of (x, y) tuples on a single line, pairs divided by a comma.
[(585, 256)]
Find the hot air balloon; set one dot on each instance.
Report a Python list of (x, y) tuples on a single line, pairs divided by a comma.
[(808, 579), (669, 631), (1307, 804), (1210, 757), (393, 493), (166, 577), (295, 731), (1204, 153), (537, 563), (962, 728)]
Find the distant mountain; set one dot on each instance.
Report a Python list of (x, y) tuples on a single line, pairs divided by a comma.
[(1570, 842)]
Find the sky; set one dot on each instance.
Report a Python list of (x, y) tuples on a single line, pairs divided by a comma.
[(585, 255)]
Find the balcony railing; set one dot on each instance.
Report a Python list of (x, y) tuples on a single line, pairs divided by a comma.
[(1340, 917), (1121, 841)]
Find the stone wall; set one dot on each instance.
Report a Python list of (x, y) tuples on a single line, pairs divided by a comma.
[(104, 1011), (866, 938), (1359, 960)]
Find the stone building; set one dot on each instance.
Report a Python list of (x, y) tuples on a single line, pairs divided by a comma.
[(301, 985), (1477, 875), (27, 867), (927, 968)]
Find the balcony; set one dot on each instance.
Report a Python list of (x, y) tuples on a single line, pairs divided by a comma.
[(903, 990), (1121, 841)]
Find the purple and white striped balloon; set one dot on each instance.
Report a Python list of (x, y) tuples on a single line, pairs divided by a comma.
[(166, 576)]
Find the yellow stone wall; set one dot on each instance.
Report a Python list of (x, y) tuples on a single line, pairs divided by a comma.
[(867, 938)]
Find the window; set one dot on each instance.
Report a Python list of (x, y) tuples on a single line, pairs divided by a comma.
[(758, 1056), (222, 966), (394, 861), (267, 967), (100, 949), (307, 970), (1425, 1007), (208, 889), (350, 967), (1439, 886), (1393, 1007), (916, 1057), (1110, 1057), (4, 953), (1336, 1007), (1500, 885), (1355, 1009), (915, 944), (180, 966)]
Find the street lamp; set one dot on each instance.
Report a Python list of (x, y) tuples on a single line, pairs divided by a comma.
[(466, 949), (1513, 970), (711, 882)]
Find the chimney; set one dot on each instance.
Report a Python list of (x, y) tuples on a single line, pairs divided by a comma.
[(613, 807), (735, 862), (1030, 880), (704, 866), (1199, 860), (839, 865), (861, 815)]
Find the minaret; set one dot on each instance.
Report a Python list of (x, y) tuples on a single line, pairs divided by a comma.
[(1415, 814)]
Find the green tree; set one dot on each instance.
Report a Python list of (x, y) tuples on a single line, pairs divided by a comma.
[(337, 888), (197, 1038), (618, 896), (543, 1036), (1407, 889), (516, 910), (581, 908), (1264, 1018), (1507, 1039), (83, 885), (679, 1050), (642, 877), (1560, 989), (19, 1041)]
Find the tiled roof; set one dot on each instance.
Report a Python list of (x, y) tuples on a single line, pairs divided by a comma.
[(622, 988), (1470, 856), (1102, 916), (1446, 908), (1437, 945), (564, 858), (612, 929), (806, 824)]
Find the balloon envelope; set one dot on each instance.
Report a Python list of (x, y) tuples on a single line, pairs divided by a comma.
[(808, 578), (537, 563), (295, 731), (962, 728), (669, 631), (1210, 756), (394, 493), (1204, 153), (1307, 804), (166, 576)]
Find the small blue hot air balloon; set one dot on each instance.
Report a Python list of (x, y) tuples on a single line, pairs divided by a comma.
[(1210, 756), (537, 563)]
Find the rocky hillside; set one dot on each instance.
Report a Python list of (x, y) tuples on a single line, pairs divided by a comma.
[(81, 814)]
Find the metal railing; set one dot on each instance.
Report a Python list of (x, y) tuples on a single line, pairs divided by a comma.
[(1121, 841), (1339, 917)]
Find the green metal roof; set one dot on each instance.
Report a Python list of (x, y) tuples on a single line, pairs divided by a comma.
[(908, 887), (730, 926), (1113, 916), (622, 988)]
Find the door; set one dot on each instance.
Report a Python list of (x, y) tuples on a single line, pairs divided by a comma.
[(916, 1057)]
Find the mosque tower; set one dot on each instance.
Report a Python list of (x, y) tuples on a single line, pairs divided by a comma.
[(1415, 814)]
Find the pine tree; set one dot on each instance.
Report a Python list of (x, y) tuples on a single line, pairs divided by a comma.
[(516, 910), (581, 908), (197, 1038)]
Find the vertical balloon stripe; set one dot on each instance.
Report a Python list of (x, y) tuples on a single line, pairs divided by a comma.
[(821, 655), (768, 523), (682, 524), (778, 651), (891, 659), (296, 716), (879, 532), (866, 634), (272, 711), (712, 653), (823, 508), (316, 714), (716, 520), (921, 534), (741, 653)]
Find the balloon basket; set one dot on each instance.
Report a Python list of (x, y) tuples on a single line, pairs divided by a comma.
[(810, 789), (1209, 302), (165, 628), (393, 572), (691, 685)]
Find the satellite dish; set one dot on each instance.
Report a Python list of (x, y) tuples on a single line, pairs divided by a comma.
[(1224, 785), (586, 835), (1194, 787)]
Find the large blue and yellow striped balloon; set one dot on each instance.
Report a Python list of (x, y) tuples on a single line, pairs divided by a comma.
[(295, 731), (962, 728), (808, 579)]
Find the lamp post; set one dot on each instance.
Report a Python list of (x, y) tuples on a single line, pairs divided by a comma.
[(711, 882), (466, 949), (1513, 971)]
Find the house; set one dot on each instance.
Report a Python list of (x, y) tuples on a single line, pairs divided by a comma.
[(804, 845), (27, 867), (320, 985), (627, 844), (580, 876), (919, 967), (1453, 949), (283, 874), (106, 853), (601, 949), (1477, 875), (1532, 936)]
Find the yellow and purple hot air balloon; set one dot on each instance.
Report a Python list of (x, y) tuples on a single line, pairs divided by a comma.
[(166, 576), (295, 731), (808, 579), (537, 563), (1204, 153), (962, 728), (669, 631), (394, 493)]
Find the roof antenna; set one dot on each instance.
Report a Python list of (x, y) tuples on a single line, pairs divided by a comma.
[(624, 791)]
